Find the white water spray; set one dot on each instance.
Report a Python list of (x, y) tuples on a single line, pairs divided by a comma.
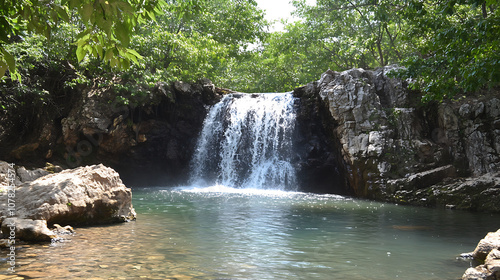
[(246, 142)]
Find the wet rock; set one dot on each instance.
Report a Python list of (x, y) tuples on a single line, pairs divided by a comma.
[(150, 139), (476, 193), (319, 167), (477, 273), (82, 196), (27, 229), (424, 179)]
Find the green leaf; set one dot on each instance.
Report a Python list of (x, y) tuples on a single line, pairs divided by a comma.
[(86, 11), (4, 29), (122, 33), (80, 52), (109, 55), (62, 12), (136, 54), (9, 59), (3, 68), (99, 50)]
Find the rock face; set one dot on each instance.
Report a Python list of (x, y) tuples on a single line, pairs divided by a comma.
[(321, 167), (82, 196), (149, 138), (19, 174), (487, 251), (147, 141), (393, 149)]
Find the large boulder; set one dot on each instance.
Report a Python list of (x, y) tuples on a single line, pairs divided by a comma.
[(82, 196)]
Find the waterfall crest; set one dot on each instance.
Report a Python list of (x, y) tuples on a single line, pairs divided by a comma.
[(246, 141)]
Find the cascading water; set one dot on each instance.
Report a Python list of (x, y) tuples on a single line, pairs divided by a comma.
[(246, 142)]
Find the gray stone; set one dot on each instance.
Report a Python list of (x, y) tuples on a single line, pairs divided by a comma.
[(493, 108), (476, 273), (465, 111), (59, 230), (390, 143)]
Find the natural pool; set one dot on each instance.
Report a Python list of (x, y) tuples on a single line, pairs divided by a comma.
[(224, 233)]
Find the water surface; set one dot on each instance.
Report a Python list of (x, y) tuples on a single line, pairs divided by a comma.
[(225, 233)]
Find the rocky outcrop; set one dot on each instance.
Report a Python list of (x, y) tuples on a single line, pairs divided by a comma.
[(481, 193), (83, 196), (488, 252), (393, 148)]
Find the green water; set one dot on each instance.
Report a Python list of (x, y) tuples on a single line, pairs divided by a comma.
[(221, 233)]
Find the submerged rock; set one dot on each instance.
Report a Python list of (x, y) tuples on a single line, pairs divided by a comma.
[(83, 196)]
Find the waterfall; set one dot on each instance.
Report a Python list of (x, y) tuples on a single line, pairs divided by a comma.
[(246, 142)]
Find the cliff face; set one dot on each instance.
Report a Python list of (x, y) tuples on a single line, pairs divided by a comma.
[(149, 141), (321, 165), (395, 149)]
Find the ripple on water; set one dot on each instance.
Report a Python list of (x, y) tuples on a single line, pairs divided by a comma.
[(220, 233)]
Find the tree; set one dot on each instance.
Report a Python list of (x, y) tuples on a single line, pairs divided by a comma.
[(106, 26), (186, 44), (456, 46), (284, 61), (356, 33)]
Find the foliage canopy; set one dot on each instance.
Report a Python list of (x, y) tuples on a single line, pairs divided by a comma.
[(446, 47)]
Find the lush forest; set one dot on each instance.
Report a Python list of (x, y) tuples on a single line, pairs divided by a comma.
[(447, 47)]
